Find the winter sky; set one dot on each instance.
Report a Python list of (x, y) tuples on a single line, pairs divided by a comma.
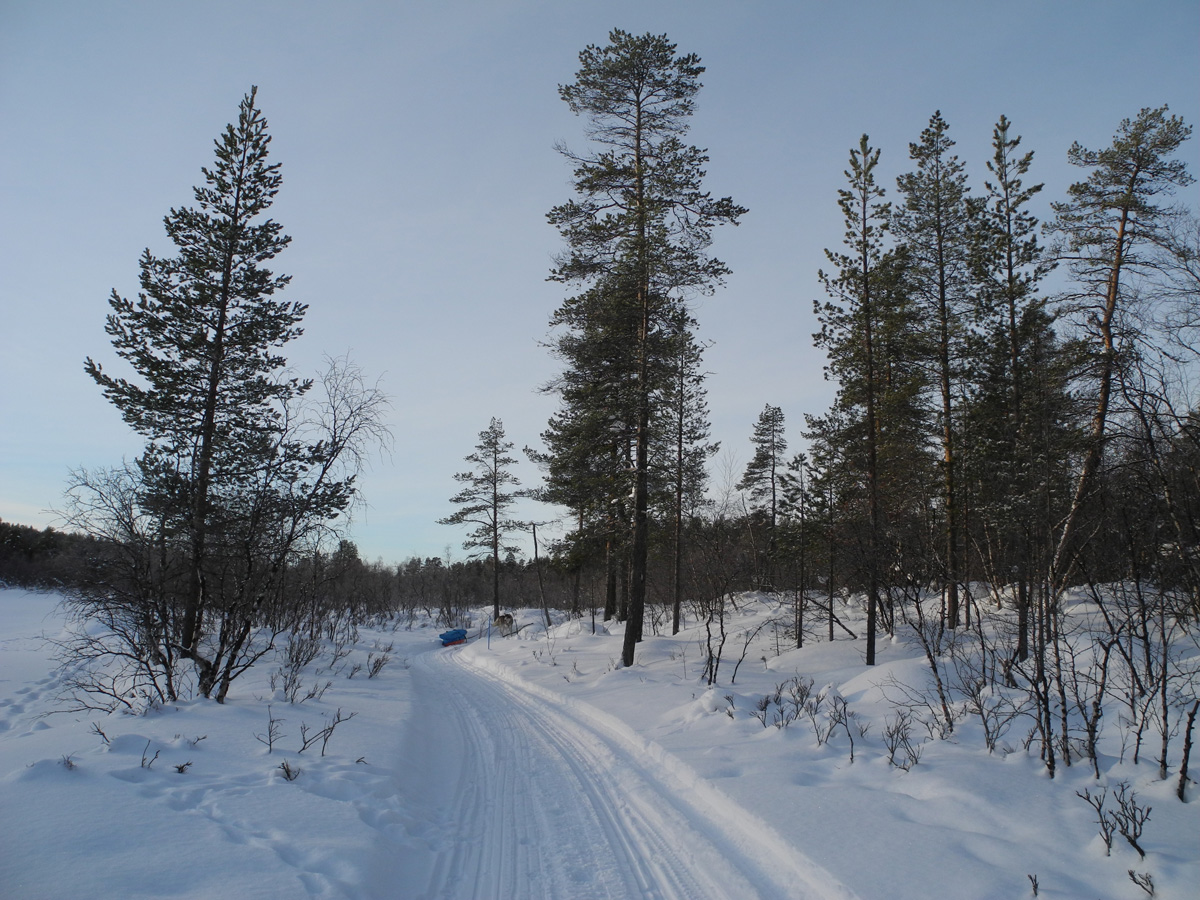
[(417, 142)]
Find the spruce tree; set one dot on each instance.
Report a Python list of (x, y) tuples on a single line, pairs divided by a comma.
[(640, 220), (590, 440), (795, 504)]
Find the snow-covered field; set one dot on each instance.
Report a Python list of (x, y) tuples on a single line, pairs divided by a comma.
[(531, 766)]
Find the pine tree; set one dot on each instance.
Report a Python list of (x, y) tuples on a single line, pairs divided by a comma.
[(641, 220), (485, 499), (795, 504), (762, 478), (588, 460), (834, 488), (1108, 230), (934, 223), (685, 446), (229, 479), (1017, 400), (848, 329)]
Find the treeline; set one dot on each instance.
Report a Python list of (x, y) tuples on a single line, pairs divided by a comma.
[(41, 560), (985, 430)]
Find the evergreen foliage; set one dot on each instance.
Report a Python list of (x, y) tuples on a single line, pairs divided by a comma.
[(682, 455), (1107, 230), (242, 470), (638, 232), (934, 225), (485, 499), (762, 479), (850, 322)]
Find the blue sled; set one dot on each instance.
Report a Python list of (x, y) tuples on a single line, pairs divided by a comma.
[(454, 636)]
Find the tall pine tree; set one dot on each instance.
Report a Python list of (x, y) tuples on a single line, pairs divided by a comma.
[(1108, 230), (640, 218), (849, 324), (934, 224)]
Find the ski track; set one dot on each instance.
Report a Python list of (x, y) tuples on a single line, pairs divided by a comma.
[(523, 797)]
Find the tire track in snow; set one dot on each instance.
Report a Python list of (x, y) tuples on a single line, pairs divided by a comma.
[(528, 797)]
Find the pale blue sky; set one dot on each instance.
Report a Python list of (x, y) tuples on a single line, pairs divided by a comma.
[(417, 149)]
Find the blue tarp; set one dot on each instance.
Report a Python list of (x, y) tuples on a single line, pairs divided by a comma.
[(453, 636)]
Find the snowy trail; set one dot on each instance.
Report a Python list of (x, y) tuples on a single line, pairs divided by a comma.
[(511, 794)]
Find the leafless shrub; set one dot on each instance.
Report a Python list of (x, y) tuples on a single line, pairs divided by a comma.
[(793, 697), (273, 732), (317, 691), (995, 707), (903, 752), (300, 651), (375, 664), (309, 737), (931, 634), (1129, 817), (96, 730), (148, 762), (290, 681), (290, 772), (841, 714), (761, 708), (339, 652), (922, 705), (183, 767), (1142, 880), (748, 637), (818, 717), (680, 654), (1104, 818)]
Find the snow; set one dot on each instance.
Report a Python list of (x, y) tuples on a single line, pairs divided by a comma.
[(533, 766)]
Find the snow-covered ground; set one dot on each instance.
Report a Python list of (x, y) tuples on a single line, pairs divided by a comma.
[(532, 766)]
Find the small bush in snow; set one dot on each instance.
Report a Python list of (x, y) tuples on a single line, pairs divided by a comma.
[(273, 732), (1142, 880), (375, 664), (1127, 820), (308, 737), (1130, 817), (147, 762), (904, 753), (1104, 818)]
